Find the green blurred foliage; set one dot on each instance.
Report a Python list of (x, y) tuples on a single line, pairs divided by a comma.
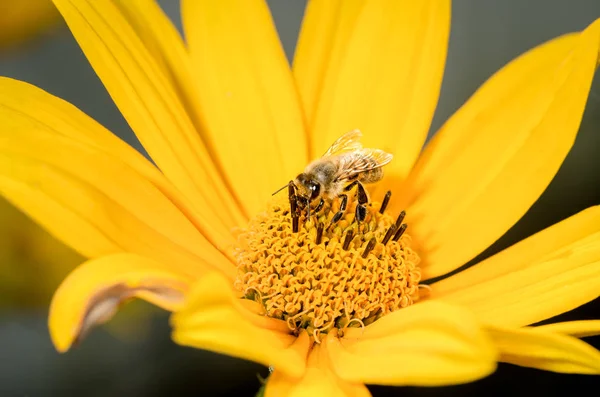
[(32, 262), (24, 20)]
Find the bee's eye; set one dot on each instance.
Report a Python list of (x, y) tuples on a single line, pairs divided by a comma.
[(314, 190)]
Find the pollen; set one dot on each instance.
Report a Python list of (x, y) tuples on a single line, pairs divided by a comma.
[(327, 275)]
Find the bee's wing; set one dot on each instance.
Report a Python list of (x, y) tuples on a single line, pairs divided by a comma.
[(348, 142), (363, 160)]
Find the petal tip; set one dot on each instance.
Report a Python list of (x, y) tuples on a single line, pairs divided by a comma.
[(61, 338)]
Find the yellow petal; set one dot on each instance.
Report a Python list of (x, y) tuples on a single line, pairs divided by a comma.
[(90, 189), (492, 160), (551, 272), (326, 29), (427, 344), (214, 318), (92, 293), (162, 41), (165, 44), (534, 348), (151, 106), (578, 329), (319, 380), (24, 20), (248, 99), (376, 66)]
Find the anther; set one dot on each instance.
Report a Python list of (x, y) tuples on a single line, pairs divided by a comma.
[(369, 247), (348, 240), (400, 218), (388, 235), (385, 202), (319, 233), (294, 223), (400, 232)]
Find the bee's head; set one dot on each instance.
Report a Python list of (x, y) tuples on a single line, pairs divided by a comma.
[(308, 188)]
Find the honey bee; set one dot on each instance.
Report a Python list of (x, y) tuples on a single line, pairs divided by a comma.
[(345, 165)]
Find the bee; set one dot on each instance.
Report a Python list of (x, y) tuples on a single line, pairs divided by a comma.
[(345, 165)]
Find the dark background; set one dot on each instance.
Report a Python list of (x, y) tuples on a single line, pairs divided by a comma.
[(142, 361)]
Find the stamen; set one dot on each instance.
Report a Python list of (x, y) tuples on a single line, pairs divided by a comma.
[(385, 202), (400, 219), (369, 247), (348, 240), (316, 333), (256, 291), (358, 320), (389, 234), (319, 233), (292, 320), (400, 232)]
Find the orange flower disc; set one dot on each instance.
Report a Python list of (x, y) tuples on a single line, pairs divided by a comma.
[(327, 275)]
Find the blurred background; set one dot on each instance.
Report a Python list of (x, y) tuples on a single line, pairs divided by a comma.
[(133, 354)]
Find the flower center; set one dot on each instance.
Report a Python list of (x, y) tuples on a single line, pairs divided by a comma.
[(327, 274)]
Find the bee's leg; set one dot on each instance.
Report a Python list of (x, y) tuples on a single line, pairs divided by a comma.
[(361, 206), (343, 203), (350, 186), (318, 207)]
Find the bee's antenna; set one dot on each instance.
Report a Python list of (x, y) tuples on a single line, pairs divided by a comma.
[(283, 187)]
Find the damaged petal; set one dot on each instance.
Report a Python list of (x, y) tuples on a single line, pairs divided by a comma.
[(107, 302), (93, 293)]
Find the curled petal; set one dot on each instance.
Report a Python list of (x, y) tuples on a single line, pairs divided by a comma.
[(93, 292)]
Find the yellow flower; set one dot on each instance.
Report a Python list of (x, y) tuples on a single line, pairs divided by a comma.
[(24, 20), (226, 123)]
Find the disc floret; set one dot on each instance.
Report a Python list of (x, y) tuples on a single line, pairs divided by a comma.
[(327, 275)]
